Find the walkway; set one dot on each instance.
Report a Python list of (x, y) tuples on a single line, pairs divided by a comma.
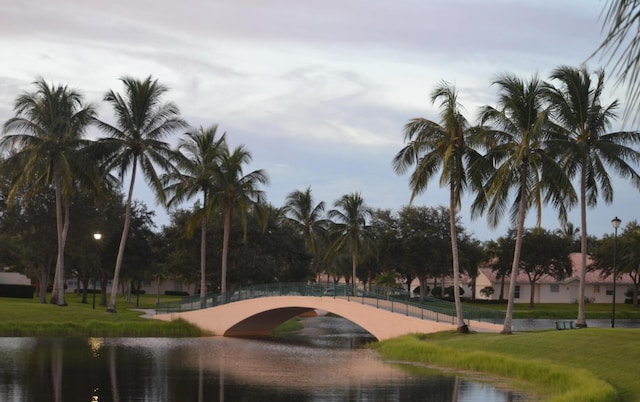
[(383, 312)]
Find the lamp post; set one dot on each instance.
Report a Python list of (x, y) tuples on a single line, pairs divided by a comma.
[(616, 224), (97, 236)]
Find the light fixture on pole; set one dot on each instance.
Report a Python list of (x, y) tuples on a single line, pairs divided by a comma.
[(97, 236), (616, 224)]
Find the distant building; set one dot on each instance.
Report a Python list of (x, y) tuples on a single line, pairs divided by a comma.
[(550, 290)]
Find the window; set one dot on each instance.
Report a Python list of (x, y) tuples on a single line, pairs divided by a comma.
[(596, 288), (555, 288), (609, 291), (517, 291)]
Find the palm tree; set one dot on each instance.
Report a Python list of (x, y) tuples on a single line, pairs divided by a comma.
[(351, 214), (196, 167), (587, 150), (518, 142), (47, 137), (235, 191), (441, 147), (136, 141), (300, 209), (622, 47)]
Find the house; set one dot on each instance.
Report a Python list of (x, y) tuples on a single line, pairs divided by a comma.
[(549, 290)]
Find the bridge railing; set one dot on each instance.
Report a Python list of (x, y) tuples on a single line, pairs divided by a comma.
[(391, 299)]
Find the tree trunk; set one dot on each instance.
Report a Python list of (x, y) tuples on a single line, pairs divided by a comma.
[(123, 241), (43, 275), (581, 322), (57, 294), (225, 246), (516, 260), (462, 327), (532, 284), (203, 257)]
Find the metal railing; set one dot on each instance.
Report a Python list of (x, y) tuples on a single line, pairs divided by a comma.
[(390, 299)]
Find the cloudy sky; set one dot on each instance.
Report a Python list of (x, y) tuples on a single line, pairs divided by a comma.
[(317, 91)]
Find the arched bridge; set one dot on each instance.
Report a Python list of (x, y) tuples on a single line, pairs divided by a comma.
[(383, 312)]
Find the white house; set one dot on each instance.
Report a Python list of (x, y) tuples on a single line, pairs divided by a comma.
[(550, 290)]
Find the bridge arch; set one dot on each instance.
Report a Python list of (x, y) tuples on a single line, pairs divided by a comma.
[(258, 317)]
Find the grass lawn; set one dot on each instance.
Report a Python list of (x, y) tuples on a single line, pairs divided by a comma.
[(592, 364), (564, 311), (27, 317)]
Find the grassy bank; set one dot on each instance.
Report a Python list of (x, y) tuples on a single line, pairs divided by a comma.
[(591, 364), (27, 317)]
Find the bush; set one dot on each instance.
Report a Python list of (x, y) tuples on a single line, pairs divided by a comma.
[(487, 291), (19, 291), (176, 293)]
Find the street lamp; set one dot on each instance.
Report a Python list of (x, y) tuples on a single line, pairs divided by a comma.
[(616, 224), (97, 236)]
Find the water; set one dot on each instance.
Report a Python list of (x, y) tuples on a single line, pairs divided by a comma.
[(223, 369)]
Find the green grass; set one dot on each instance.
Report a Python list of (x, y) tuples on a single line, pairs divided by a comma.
[(564, 311), (27, 317), (593, 364)]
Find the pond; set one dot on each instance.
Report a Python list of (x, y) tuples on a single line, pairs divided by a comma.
[(329, 366)]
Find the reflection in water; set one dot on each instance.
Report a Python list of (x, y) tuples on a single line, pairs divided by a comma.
[(216, 369)]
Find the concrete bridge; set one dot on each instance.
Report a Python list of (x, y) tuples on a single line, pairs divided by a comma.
[(255, 313)]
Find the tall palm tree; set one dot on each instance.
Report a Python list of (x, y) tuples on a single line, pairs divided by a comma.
[(518, 141), (351, 214), (137, 141), (441, 147), (300, 209), (196, 168), (235, 192), (47, 137), (586, 149)]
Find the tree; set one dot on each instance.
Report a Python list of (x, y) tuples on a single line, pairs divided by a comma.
[(424, 238), (518, 143), (622, 47), (197, 166), (443, 147), (544, 253), (47, 136), (235, 191), (628, 261), (351, 213), (300, 209), (137, 141), (586, 150)]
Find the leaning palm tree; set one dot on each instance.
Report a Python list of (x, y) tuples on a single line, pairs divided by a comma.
[(519, 137), (587, 150), (46, 138), (351, 214), (300, 209), (235, 192), (135, 142), (196, 166), (441, 147)]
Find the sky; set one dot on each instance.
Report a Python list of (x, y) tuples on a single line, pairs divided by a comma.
[(318, 92)]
